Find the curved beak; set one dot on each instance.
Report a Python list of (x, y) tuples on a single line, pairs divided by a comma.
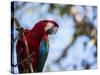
[(52, 31)]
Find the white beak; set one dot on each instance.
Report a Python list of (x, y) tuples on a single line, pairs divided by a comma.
[(55, 29)]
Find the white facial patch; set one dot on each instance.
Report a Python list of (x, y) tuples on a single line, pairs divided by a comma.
[(49, 25)]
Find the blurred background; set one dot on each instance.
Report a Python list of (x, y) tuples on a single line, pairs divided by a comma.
[(74, 47)]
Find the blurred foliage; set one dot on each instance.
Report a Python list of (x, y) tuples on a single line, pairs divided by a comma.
[(83, 27), (62, 9)]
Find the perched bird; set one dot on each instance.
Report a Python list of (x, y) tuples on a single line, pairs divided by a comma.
[(33, 47)]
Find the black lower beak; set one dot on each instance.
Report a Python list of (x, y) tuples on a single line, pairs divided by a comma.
[(49, 31)]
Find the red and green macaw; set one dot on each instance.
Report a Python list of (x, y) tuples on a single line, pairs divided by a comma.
[(36, 41)]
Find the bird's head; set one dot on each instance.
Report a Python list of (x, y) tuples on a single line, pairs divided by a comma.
[(43, 27), (51, 27)]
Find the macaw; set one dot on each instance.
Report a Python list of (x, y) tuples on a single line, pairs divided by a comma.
[(37, 44)]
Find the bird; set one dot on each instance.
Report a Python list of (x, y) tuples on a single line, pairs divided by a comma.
[(33, 47)]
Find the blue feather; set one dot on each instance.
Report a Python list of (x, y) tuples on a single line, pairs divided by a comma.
[(44, 46)]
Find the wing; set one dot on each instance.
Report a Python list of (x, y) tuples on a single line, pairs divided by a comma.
[(44, 48)]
